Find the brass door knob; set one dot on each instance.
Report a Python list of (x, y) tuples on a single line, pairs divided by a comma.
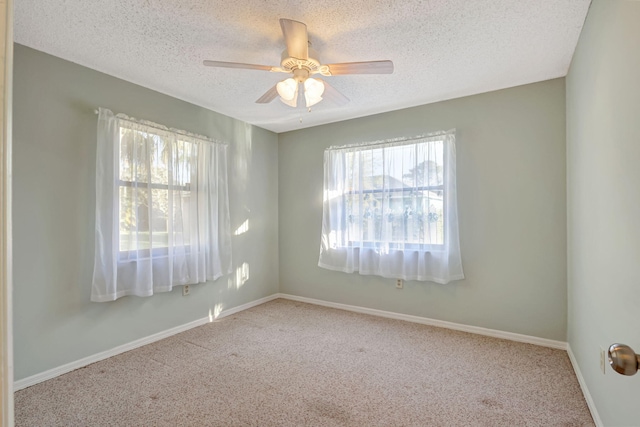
[(623, 359)]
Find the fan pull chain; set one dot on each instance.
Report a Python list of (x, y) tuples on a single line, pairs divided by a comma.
[(308, 111)]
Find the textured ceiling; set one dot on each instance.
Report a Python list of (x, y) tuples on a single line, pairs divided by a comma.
[(441, 49)]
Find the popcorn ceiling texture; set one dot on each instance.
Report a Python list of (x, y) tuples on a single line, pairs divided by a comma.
[(286, 363), (441, 49)]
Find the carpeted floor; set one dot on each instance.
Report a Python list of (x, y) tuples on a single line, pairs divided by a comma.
[(286, 363)]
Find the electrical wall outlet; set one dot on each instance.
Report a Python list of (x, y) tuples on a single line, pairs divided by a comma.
[(603, 361), (185, 290), (399, 284)]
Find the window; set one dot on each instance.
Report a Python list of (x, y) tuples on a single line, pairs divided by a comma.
[(162, 211), (390, 209), (148, 205)]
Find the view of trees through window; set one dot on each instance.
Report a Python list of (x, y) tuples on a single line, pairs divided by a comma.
[(149, 166), (396, 194)]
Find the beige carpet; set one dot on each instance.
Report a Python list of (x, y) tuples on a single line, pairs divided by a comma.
[(292, 364)]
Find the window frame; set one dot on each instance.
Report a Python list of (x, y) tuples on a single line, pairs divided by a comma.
[(125, 256)]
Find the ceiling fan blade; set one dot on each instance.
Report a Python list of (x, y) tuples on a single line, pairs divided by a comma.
[(268, 96), (369, 67), (332, 94), (222, 64), (296, 38)]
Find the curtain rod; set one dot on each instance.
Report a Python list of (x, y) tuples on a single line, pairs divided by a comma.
[(158, 126), (392, 140)]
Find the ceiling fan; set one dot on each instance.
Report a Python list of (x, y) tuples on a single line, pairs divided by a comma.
[(300, 60)]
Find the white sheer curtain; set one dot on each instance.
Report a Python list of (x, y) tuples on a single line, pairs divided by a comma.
[(390, 209), (162, 209)]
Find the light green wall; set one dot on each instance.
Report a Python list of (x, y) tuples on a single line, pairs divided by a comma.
[(511, 202), (603, 189), (54, 142)]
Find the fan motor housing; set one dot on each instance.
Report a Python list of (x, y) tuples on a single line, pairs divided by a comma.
[(291, 64)]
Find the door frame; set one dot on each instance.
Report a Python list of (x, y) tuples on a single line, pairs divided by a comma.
[(6, 325)]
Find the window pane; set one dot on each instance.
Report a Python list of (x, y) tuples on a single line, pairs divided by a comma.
[(154, 196), (143, 221), (135, 149), (159, 214), (142, 227), (147, 157), (182, 155), (395, 194), (159, 160), (134, 218), (181, 219)]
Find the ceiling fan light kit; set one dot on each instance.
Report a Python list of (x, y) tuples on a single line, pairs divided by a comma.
[(288, 91), (313, 90), (300, 60)]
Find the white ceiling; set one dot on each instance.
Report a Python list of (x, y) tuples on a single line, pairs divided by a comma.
[(441, 49)]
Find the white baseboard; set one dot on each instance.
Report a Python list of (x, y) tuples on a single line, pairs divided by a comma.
[(585, 391), (544, 342), (246, 306), (60, 370)]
